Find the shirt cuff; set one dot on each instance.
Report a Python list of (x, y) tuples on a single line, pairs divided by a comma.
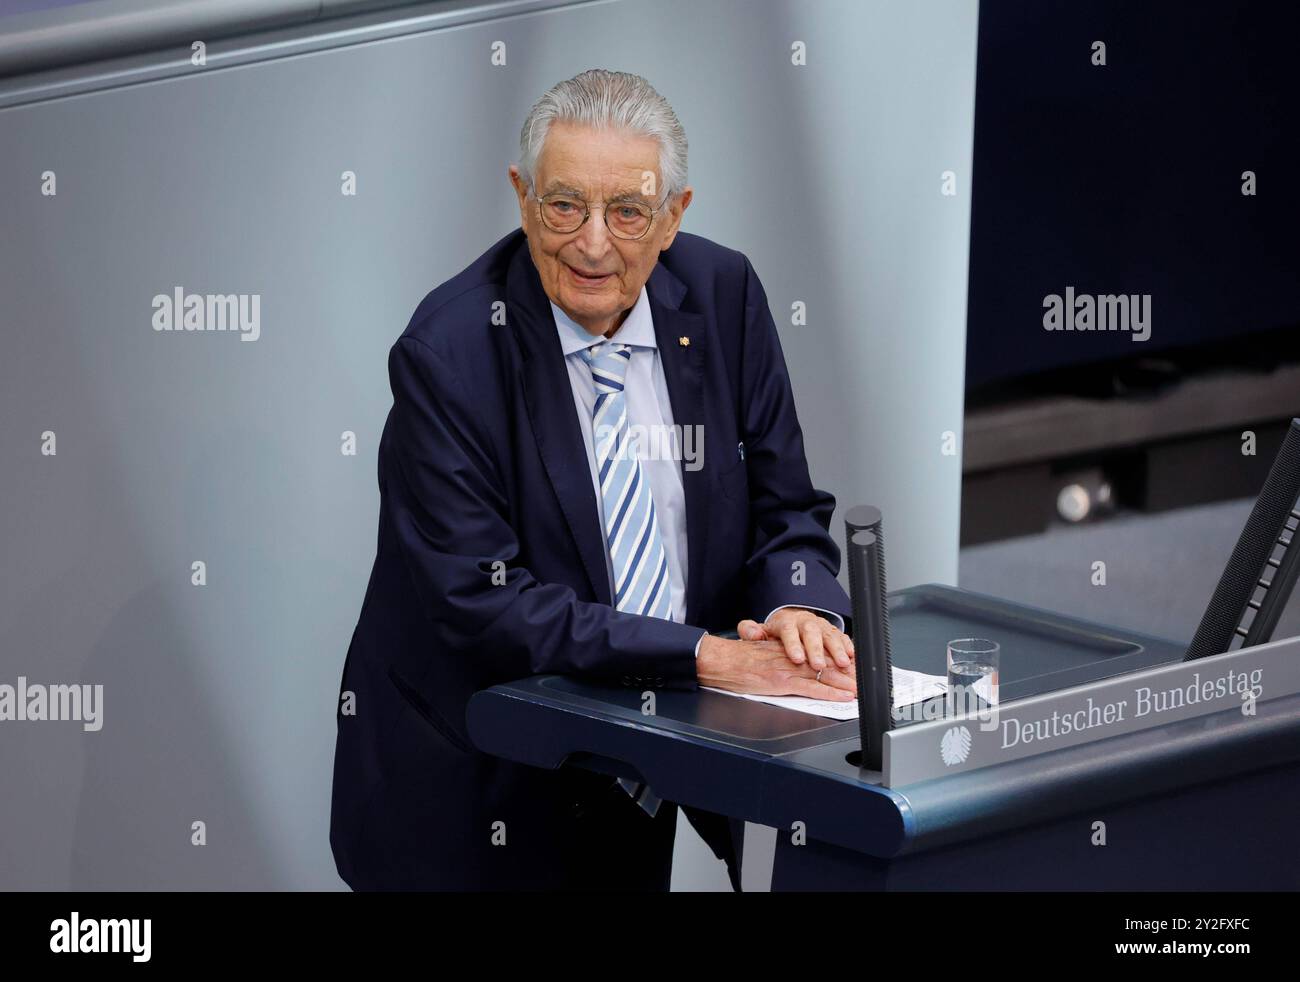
[(830, 615), (700, 642)]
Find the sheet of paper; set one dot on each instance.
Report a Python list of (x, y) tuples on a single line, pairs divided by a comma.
[(909, 687)]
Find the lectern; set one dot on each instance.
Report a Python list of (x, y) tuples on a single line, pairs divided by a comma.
[(1202, 795), (1112, 761)]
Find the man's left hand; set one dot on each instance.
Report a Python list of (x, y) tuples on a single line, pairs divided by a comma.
[(805, 636)]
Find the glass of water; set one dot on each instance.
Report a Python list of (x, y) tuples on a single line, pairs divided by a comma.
[(972, 674)]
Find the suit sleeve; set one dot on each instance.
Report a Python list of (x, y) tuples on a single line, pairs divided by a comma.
[(443, 488), (791, 518)]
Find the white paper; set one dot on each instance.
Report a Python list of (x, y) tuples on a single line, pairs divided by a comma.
[(909, 687)]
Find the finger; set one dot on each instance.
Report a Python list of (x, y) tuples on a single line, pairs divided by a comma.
[(812, 642), (790, 640), (839, 680), (835, 647), (818, 690), (751, 630)]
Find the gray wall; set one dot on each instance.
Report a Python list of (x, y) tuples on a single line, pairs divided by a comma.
[(219, 700)]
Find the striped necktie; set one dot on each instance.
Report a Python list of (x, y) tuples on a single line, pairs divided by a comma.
[(636, 549)]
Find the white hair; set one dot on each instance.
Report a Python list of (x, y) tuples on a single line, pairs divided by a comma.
[(608, 100)]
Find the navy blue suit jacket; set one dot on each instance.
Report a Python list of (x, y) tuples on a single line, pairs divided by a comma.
[(483, 471)]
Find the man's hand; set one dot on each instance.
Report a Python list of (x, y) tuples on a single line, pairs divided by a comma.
[(762, 668), (805, 636)]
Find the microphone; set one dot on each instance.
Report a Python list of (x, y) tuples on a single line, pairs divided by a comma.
[(871, 642)]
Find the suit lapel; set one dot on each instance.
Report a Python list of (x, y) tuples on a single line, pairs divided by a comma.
[(548, 398), (682, 349)]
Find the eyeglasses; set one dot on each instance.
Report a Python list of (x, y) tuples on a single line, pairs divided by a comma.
[(626, 218)]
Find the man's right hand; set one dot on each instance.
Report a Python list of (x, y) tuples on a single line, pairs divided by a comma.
[(763, 668)]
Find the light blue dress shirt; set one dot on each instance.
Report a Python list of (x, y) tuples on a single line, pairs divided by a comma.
[(645, 393)]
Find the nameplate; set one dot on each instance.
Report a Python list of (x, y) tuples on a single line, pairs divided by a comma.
[(1237, 681)]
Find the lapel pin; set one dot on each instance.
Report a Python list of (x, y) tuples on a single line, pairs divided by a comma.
[(684, 341)]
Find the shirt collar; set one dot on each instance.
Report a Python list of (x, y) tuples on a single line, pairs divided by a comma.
[(637, 329)]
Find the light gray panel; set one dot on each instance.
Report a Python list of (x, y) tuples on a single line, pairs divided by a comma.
[(219, 700)]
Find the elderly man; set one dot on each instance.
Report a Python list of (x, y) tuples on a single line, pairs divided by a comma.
[(528, 526)]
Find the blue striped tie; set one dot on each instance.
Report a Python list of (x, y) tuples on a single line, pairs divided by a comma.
[(636, 549)]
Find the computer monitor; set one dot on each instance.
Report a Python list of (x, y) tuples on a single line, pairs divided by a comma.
[(1262, 570)]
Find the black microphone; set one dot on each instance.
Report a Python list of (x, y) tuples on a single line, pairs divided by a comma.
[(867, 518), (870, 605)]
